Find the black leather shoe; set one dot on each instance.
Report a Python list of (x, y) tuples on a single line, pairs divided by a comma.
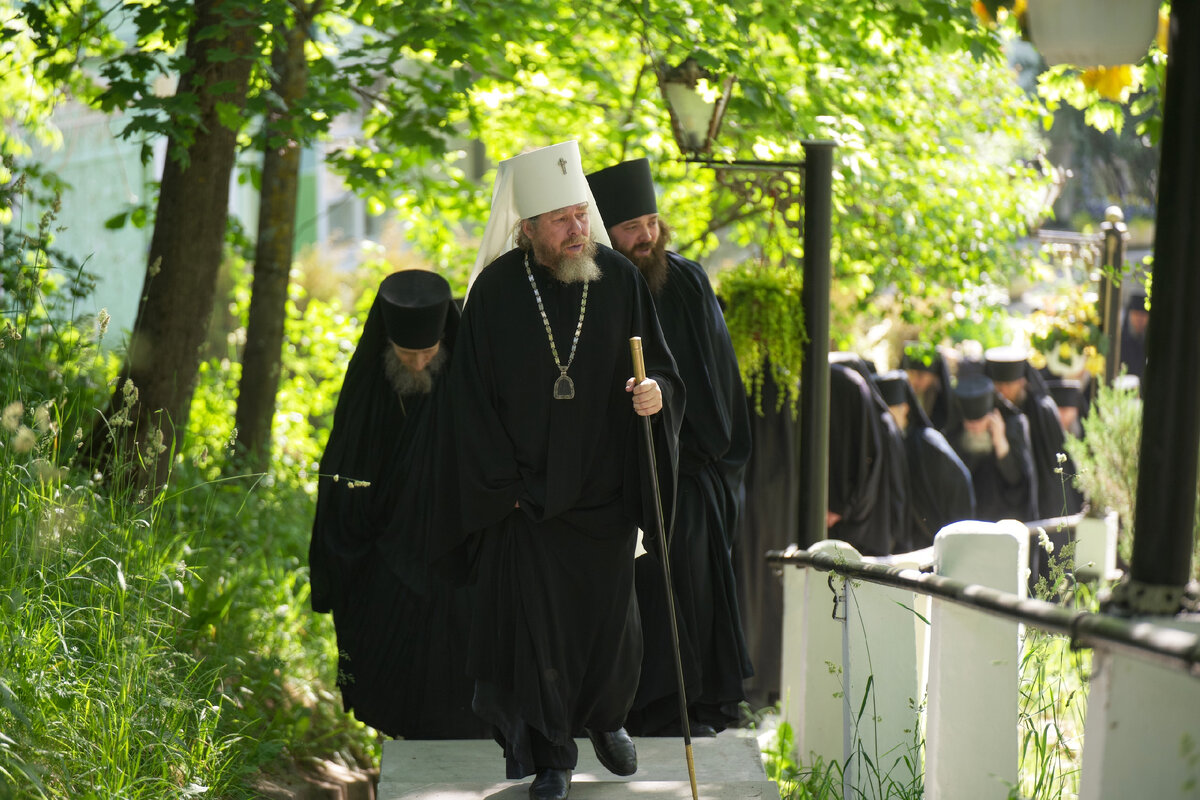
[(615, 750), (551, 784)]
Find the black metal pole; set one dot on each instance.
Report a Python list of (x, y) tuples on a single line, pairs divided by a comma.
[(1167, 463), (1115, 235), (814, 375)]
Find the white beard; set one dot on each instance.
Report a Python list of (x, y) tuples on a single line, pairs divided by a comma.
[(403, 380), (576, 269), (977, 443), (573, 269)]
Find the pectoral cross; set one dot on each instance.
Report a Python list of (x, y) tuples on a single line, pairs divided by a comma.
[(562, 164)]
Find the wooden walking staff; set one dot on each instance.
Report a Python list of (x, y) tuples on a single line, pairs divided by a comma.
[(639, 374)]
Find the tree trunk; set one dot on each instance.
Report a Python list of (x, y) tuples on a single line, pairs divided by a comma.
[(148, 420), (261, 359)]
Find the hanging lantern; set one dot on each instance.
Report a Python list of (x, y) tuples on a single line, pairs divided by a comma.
[(696, 100)]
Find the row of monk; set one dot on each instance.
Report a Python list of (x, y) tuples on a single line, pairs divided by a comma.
[(487, 476), (943, 437), (499, 487)]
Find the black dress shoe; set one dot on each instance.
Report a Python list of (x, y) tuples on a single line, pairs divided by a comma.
[(551, 784), (615, 750)]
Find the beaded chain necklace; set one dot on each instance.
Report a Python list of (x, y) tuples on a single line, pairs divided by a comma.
[(564, 387)]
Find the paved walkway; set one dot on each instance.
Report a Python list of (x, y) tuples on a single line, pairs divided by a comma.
[(728, 767)]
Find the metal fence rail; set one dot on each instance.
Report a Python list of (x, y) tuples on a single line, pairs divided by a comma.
[(1176, 649), (922, 662)]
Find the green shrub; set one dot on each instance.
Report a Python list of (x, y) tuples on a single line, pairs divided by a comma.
[(98, 699), (1106, 462)]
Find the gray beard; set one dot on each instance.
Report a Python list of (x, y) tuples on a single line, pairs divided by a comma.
[(406, 382), (977, 443), (576, 269), (572, 269)]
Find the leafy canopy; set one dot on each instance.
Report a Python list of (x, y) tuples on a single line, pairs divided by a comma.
[(936, 164)]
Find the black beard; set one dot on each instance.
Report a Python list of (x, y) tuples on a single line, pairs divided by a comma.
[(653, 266), (405, 381)]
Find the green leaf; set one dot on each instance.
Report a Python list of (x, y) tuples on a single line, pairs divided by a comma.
[(229, 115)]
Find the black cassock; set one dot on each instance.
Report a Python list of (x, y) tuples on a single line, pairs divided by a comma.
[(401, 631), (770, 521), (1004, 488), (1057, 495), (939, 484), (1133, 349), (556, 642), (867, 470), (714, 445), (944, 413)]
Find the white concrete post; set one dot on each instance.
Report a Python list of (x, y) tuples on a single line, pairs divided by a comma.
[(811, 679), (1142, 735), (1096, 547), (882, 692), (974, 659)]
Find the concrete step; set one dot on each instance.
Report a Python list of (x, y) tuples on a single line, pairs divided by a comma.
[(728, 767)]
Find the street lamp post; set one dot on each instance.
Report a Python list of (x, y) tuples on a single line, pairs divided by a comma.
[(1115, 236), (696, 100)]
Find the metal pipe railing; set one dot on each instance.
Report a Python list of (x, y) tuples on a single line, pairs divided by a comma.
[(1173, 648)]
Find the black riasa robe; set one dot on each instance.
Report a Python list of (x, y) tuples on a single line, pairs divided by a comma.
[(401, 631), (943, 412), (1057, 495), (556, 641), (714, 445), (770, 521), (1004, 488), (867, 471), (939, 484), (1133, 349)]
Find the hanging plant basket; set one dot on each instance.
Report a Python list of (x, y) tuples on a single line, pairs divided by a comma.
[(765, 317), (1092, 33)]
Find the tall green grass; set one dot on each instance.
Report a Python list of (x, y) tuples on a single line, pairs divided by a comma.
[(1053, 707), (816, 781), (156, 644), (97, 699), (1053, 692)]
